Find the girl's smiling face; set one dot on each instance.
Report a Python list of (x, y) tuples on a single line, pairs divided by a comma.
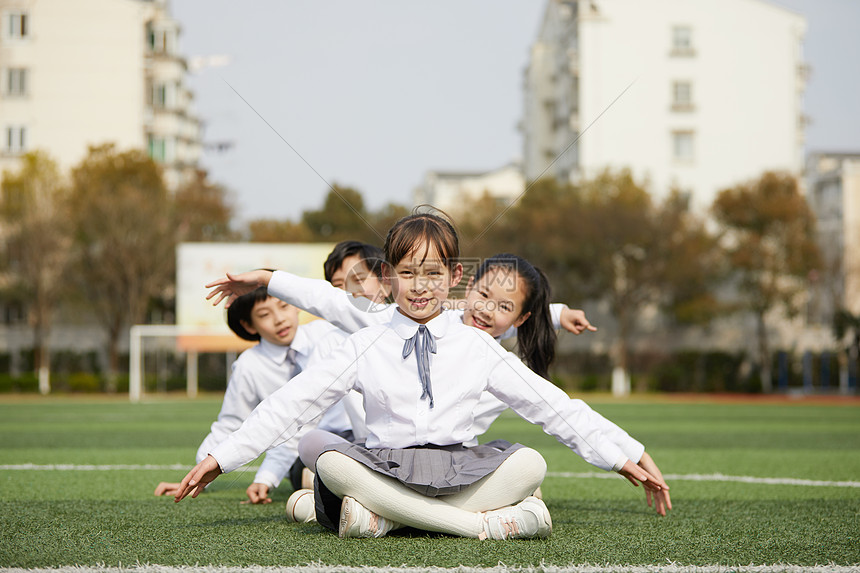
[(420, 282), (495, 302)]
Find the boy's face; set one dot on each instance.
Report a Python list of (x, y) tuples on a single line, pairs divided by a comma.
[(420, 285), (274, 320), (354, 277)]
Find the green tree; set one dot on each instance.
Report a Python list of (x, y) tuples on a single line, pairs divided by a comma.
[(203, 211), (343, 216), (37, 246), (606, 239), (383, 220), (769, 235), (124, 243), (274, 231)]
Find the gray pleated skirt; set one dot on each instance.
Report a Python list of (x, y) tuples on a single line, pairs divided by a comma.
[(430, 470)]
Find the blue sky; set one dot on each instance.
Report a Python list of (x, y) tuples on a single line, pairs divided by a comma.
[(373, 94)]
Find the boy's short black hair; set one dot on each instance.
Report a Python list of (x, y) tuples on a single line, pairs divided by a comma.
[(241, 310), (370, 255)]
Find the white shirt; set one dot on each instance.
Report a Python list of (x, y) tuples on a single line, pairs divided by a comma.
[(468, 362), (352, 314), (256, 374)]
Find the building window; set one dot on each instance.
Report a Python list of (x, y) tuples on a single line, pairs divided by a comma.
[(159, 40), (682, 96), (17, 25), (15, 141), (156, 148), (683, 146), (162, 149), (682, 41), (16, 82), (164, 95)]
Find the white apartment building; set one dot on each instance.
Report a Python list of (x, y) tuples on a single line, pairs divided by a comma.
[(833, 192), (697, 95), (450, 190), (86, 72)]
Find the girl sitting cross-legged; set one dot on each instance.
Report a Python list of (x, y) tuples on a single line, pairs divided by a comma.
[(420, 377)]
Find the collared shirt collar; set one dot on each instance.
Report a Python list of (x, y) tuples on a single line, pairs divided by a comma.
[(278, 354), (406, 328)]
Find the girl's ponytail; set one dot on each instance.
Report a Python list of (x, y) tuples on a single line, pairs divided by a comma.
[(536, 336)]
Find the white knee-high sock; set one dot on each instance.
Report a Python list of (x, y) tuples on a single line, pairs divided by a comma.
[(391, 499), (513, 481)]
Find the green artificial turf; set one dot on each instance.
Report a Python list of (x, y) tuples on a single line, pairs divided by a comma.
[(74, 517)]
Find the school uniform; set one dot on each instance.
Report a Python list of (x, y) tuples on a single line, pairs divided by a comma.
[(257, 373), (351, 314), (417, 424)]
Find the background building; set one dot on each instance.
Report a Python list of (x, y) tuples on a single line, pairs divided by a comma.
[(449, 190), (74, 74), (713, 92), (833, 191)]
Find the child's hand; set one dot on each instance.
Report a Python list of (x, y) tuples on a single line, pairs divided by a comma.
[(573, 320), (233, 286), (167, 488), (652, 484), (662, 501), (198, 478), (258, 493)]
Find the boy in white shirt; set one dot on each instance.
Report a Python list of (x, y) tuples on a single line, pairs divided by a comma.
[(284, 349)]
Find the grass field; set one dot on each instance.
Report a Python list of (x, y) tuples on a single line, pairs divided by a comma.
[(86, 497)]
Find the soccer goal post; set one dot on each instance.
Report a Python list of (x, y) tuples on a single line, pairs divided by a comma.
[(187, 340)]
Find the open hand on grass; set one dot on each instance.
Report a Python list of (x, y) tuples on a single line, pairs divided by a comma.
[(167, 488), (258, 493), (661, 500), (233, 286), (653, 485), (198, 478)]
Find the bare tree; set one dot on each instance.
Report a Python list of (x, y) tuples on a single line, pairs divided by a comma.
[(37, 244), (124, 242), (769, 234)]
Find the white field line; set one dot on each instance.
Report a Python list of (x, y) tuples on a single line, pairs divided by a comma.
[(717, 477), (501, 568), (567, 475)]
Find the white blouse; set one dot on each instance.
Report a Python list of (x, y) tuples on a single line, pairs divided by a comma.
[(352, 314), (467, 363), (257, 373)]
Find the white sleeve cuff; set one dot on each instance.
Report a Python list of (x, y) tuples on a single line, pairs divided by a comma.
[(267, 478), (555, 310), (227, 457), (619, 463)]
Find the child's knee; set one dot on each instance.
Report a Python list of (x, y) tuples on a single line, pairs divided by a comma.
[(530, 463), (335, 470)]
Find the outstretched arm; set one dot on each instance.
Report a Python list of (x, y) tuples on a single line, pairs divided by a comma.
[(198, 478), (233, 286)]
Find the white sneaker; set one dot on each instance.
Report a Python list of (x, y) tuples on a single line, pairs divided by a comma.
[(301, 506), (307, 479), (528, 518), (358, 521)]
